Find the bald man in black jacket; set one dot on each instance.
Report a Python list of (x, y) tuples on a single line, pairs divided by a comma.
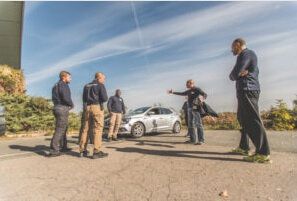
[(245, 74)]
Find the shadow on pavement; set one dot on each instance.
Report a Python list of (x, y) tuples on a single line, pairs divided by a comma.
[(154, 141), (39, 149), (172, 153), (141, 143)]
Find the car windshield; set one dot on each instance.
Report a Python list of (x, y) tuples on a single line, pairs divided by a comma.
[(139, 110)]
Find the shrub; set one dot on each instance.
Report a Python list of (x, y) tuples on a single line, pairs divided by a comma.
[(225, 121), (25, 113), (11, 80), (280, 117)]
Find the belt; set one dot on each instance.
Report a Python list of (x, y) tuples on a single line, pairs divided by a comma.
[(88, 104), (96, 104)]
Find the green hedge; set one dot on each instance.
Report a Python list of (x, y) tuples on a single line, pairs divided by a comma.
[(25, 113)]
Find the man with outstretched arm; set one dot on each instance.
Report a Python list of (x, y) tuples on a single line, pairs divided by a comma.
[(194, 118), (245, 74)]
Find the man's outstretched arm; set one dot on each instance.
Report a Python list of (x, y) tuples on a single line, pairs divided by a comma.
[(178, 93)]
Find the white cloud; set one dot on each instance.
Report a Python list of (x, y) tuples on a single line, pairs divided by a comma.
[(204, 63), (172, 30)]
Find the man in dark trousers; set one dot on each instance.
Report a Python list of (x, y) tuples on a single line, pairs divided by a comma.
[(194, 118), (245, 73), (116, 109), (185, 111), (94, 96), (61, 97)]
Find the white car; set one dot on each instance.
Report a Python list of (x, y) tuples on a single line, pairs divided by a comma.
[(149, 120), (2, 121)]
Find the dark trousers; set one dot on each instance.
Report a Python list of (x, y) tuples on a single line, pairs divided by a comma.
[(250, 121), (186, 121), (195, 126), (59, 140)]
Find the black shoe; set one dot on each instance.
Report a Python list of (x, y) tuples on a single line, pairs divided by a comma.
[(83, 154), (66, 149), (188, 141), (54, 154), (115, 139), (99, 154)]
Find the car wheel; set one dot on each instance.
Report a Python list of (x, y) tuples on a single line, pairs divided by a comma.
[(176, 127), (137, 130)]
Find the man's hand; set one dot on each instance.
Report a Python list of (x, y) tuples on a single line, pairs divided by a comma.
[(244, 73), (201, 98), (170, 91)]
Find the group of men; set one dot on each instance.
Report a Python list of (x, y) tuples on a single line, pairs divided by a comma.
[(245, 74), (94, 96)]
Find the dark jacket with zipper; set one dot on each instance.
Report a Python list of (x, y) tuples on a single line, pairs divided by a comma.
[(61, 94), (94, 93)]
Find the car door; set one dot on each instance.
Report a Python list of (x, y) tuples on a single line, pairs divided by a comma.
[(167, 118), (152, 120), (162, 120)]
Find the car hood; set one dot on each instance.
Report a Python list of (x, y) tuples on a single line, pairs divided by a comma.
[(128, 116), (133, 116)]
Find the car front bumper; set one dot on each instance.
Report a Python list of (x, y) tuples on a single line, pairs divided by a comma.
[(124, 128)]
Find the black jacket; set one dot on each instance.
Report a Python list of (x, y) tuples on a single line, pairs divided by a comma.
[(246, 60), (206, 110), (116, 104), (94, 93), (192, 94), (61, 94)]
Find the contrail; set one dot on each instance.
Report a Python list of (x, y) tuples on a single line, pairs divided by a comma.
[(139, 33)]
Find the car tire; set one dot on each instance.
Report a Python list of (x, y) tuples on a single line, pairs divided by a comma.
[(176, 127), (138, 130)]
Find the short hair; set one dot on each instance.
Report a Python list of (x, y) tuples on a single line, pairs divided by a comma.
[(240, 41), (63, 74), (98, 74)]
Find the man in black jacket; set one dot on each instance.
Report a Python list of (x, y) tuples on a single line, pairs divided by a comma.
[(94, 96), (61, 97), (116, 109), (245, 73), (194, 118)]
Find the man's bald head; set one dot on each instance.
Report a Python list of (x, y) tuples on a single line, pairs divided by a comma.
[(100, 77), (190, 83), (238, 45), (118, 92)]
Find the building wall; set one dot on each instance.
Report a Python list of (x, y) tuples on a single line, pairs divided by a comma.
[(11, 21)]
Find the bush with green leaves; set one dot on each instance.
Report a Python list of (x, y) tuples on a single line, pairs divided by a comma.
[(25, 113), (12, 80), (280, 117)]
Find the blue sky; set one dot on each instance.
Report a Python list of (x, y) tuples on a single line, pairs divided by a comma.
[(145, 48)]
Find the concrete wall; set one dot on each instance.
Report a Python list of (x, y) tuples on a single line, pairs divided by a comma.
[(11, 22)]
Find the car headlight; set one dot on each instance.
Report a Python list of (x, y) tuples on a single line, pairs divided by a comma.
[(126, 120)]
